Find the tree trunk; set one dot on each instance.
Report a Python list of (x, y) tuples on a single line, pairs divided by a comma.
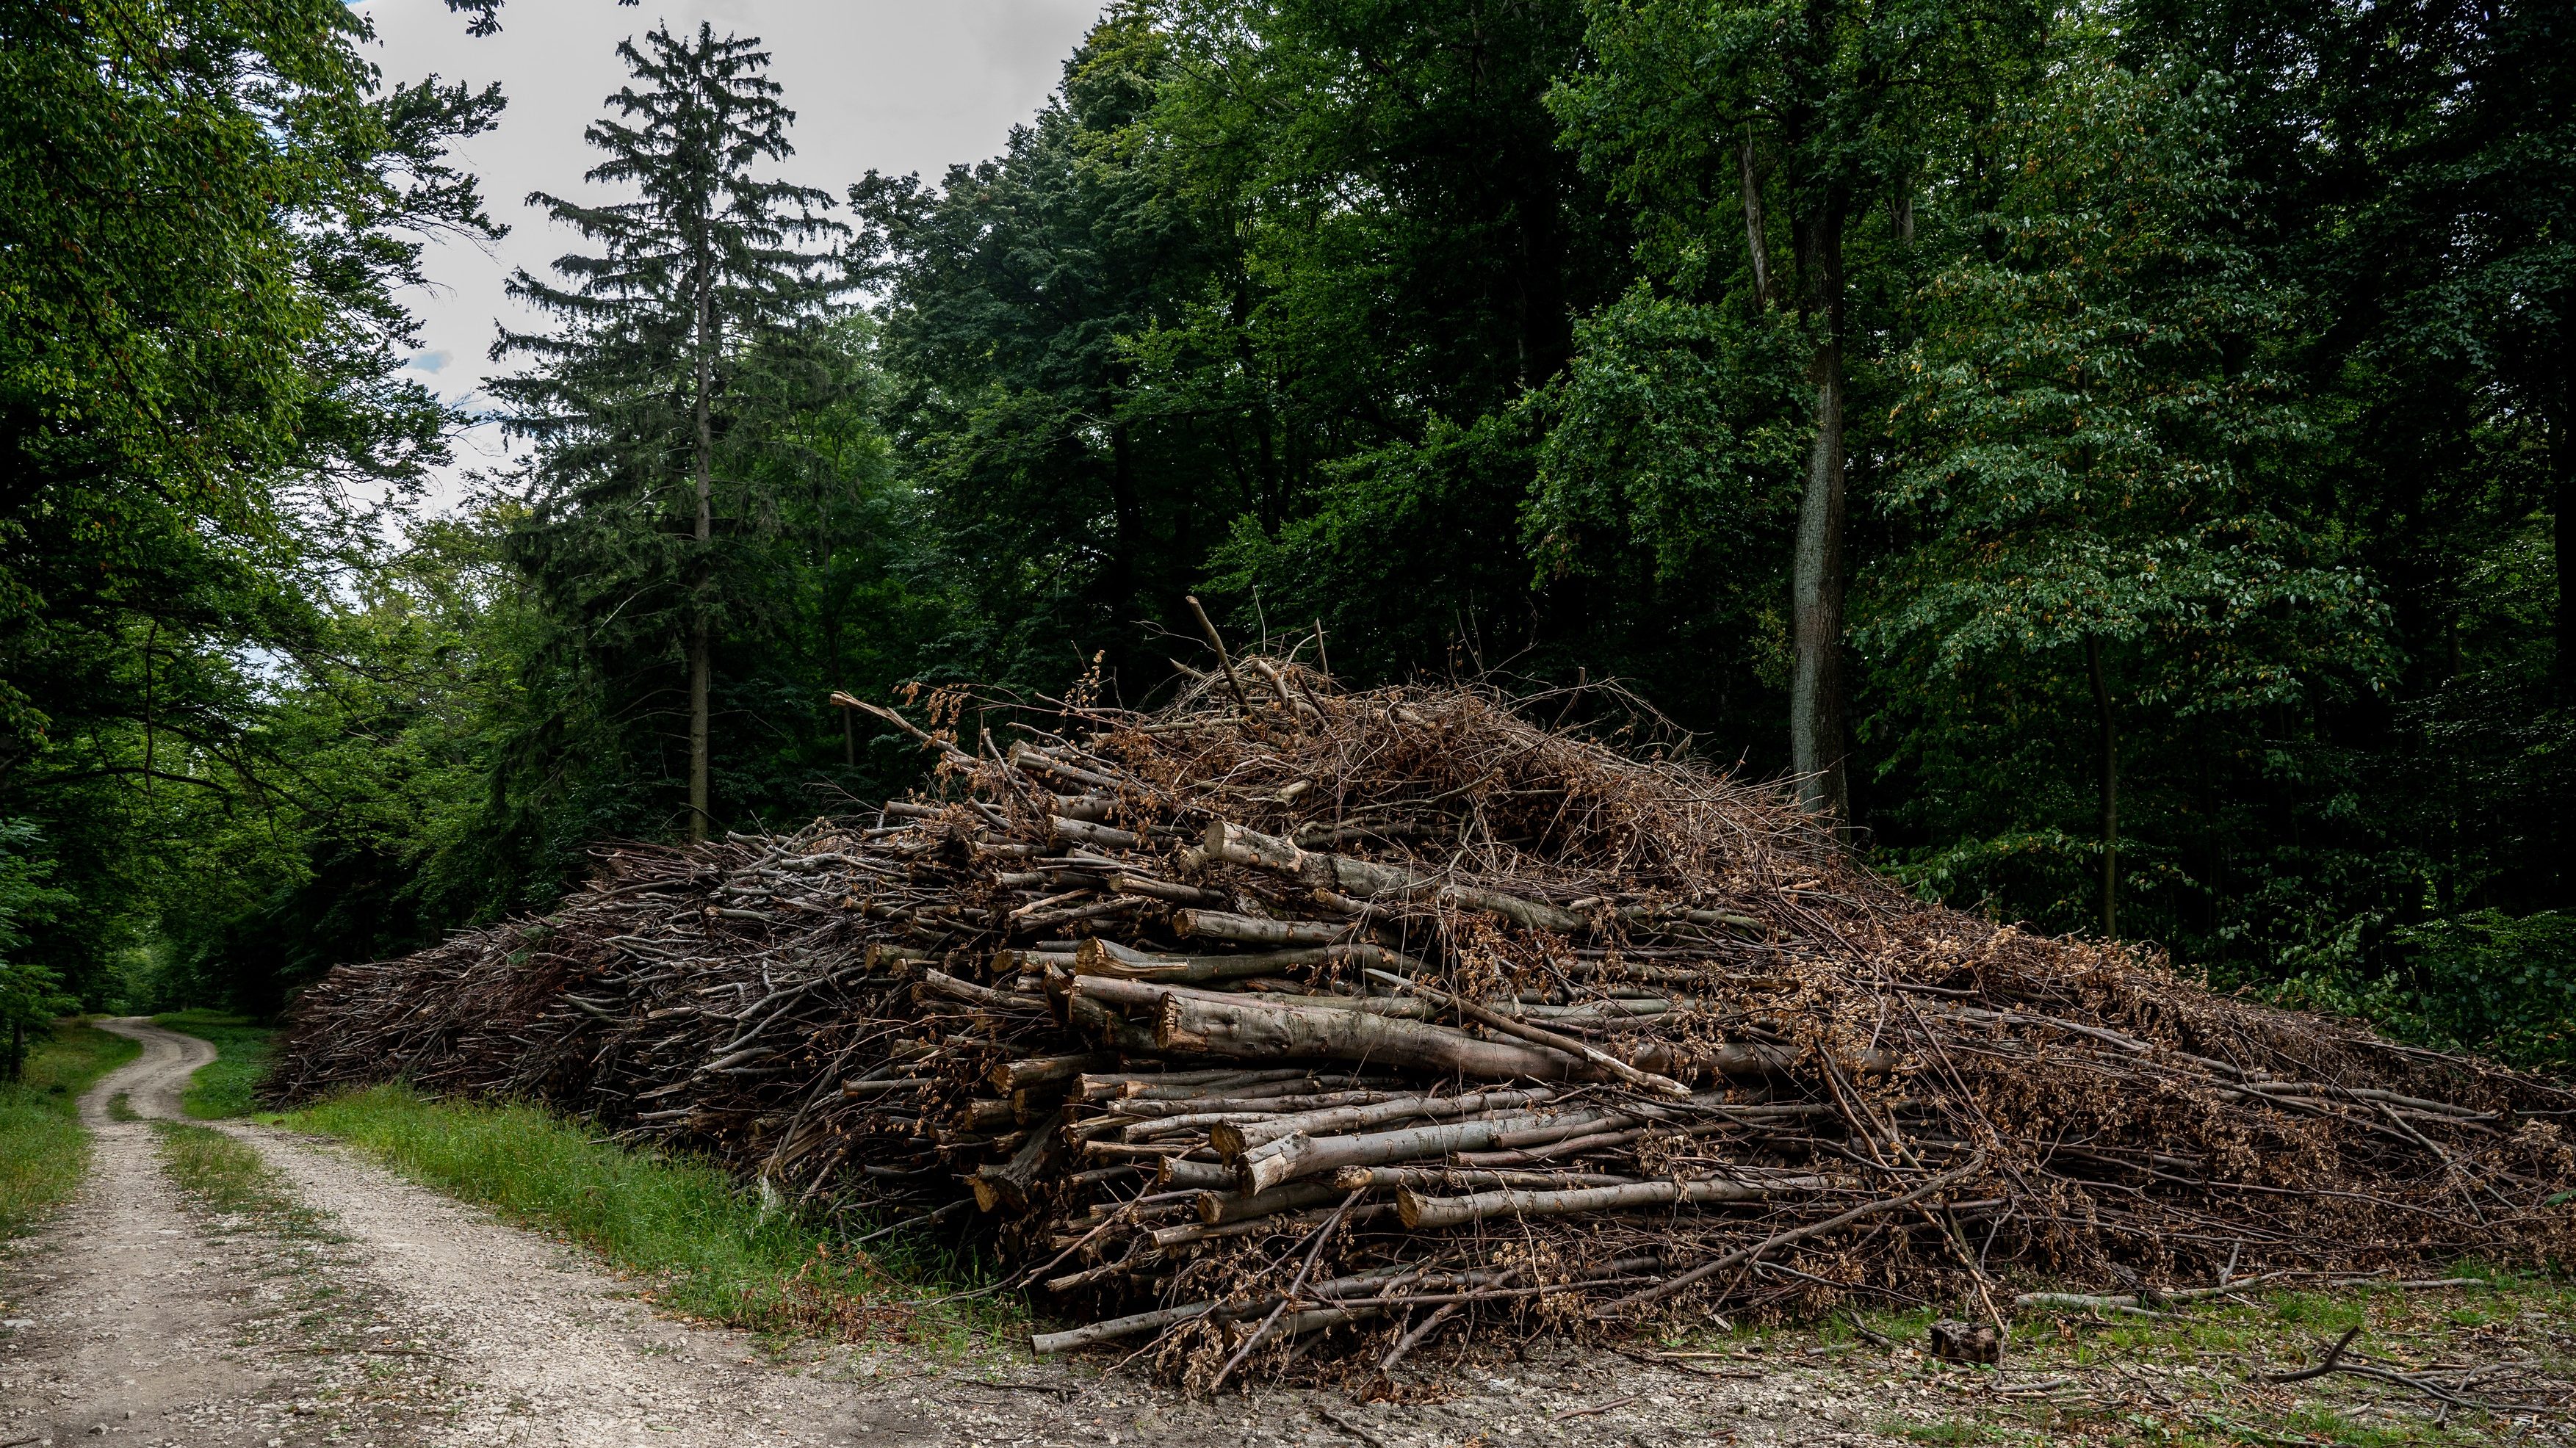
[(2110, 787), (17, 1049), (1757, 242), (2562, 464), (701, 665), (151, 641), (1128, 517), (1816, 729)]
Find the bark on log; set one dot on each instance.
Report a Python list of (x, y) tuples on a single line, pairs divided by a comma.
[(1086, 1014), (883, 957), (1216, 1208), (1293, 1157), (1279, 1104), (1495, 1020), (1257, 1031), (1392, 1178), (1245, 930), (1104, 957), (1180, 1171), (1009, 1183), (1424, 1212), (1167, 1238), (1084, 832), (1166, 891), (1171, 1085), (1365, 880), (1234, 1140), (940, 983), (1027, 1071)]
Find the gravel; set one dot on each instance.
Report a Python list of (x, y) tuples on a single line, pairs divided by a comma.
[(422, 1321)]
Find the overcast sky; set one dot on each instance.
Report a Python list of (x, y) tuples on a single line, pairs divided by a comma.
[(897, 85)]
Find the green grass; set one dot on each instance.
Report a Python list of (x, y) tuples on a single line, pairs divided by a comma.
[(226, 1176), (43, 1150), (702, 1246), (2211, 1357), (221, 1088)]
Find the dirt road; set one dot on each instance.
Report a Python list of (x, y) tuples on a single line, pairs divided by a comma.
[(140, 1318)]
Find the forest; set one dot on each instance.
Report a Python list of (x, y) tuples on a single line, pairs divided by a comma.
[(2113, 456)]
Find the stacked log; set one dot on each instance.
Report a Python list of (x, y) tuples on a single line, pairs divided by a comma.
[(1287, 1018)]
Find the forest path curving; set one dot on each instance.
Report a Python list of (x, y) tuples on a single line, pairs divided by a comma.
[(125, 1320), (417, 1322)]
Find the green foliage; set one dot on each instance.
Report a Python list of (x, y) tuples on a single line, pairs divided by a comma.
[(206, 210), (43, 1150), (2102, 465), (1069, 507), (2097, 430), (30, 995), (1678, 431), (698, 306), (1841, 103), (709, 1248), (2482, 980), (1666, 491), (1407, 556)]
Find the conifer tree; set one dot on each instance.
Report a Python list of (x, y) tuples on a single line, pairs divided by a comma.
[(707, 264)]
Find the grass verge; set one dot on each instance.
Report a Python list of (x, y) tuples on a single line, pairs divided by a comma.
[(226, 1177), (43, 1151), (702, 1246), (378, 1374), (2201, 1376), (222, 1087)]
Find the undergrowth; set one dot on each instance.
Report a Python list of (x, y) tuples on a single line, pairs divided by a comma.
[(43, 1150), (699, 1244), (2197, 1378), (222, 1087)]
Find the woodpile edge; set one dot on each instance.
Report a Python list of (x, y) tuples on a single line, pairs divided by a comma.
[(1292, 1031)]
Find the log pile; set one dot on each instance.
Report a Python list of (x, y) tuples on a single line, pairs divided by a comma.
[(1287, 1027)]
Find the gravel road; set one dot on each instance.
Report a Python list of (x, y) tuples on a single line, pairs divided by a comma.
[(142, 1318)]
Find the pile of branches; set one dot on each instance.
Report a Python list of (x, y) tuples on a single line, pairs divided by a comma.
[(1287, 1016)]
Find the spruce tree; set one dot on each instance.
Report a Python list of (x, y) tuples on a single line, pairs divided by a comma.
[(707, 265)]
